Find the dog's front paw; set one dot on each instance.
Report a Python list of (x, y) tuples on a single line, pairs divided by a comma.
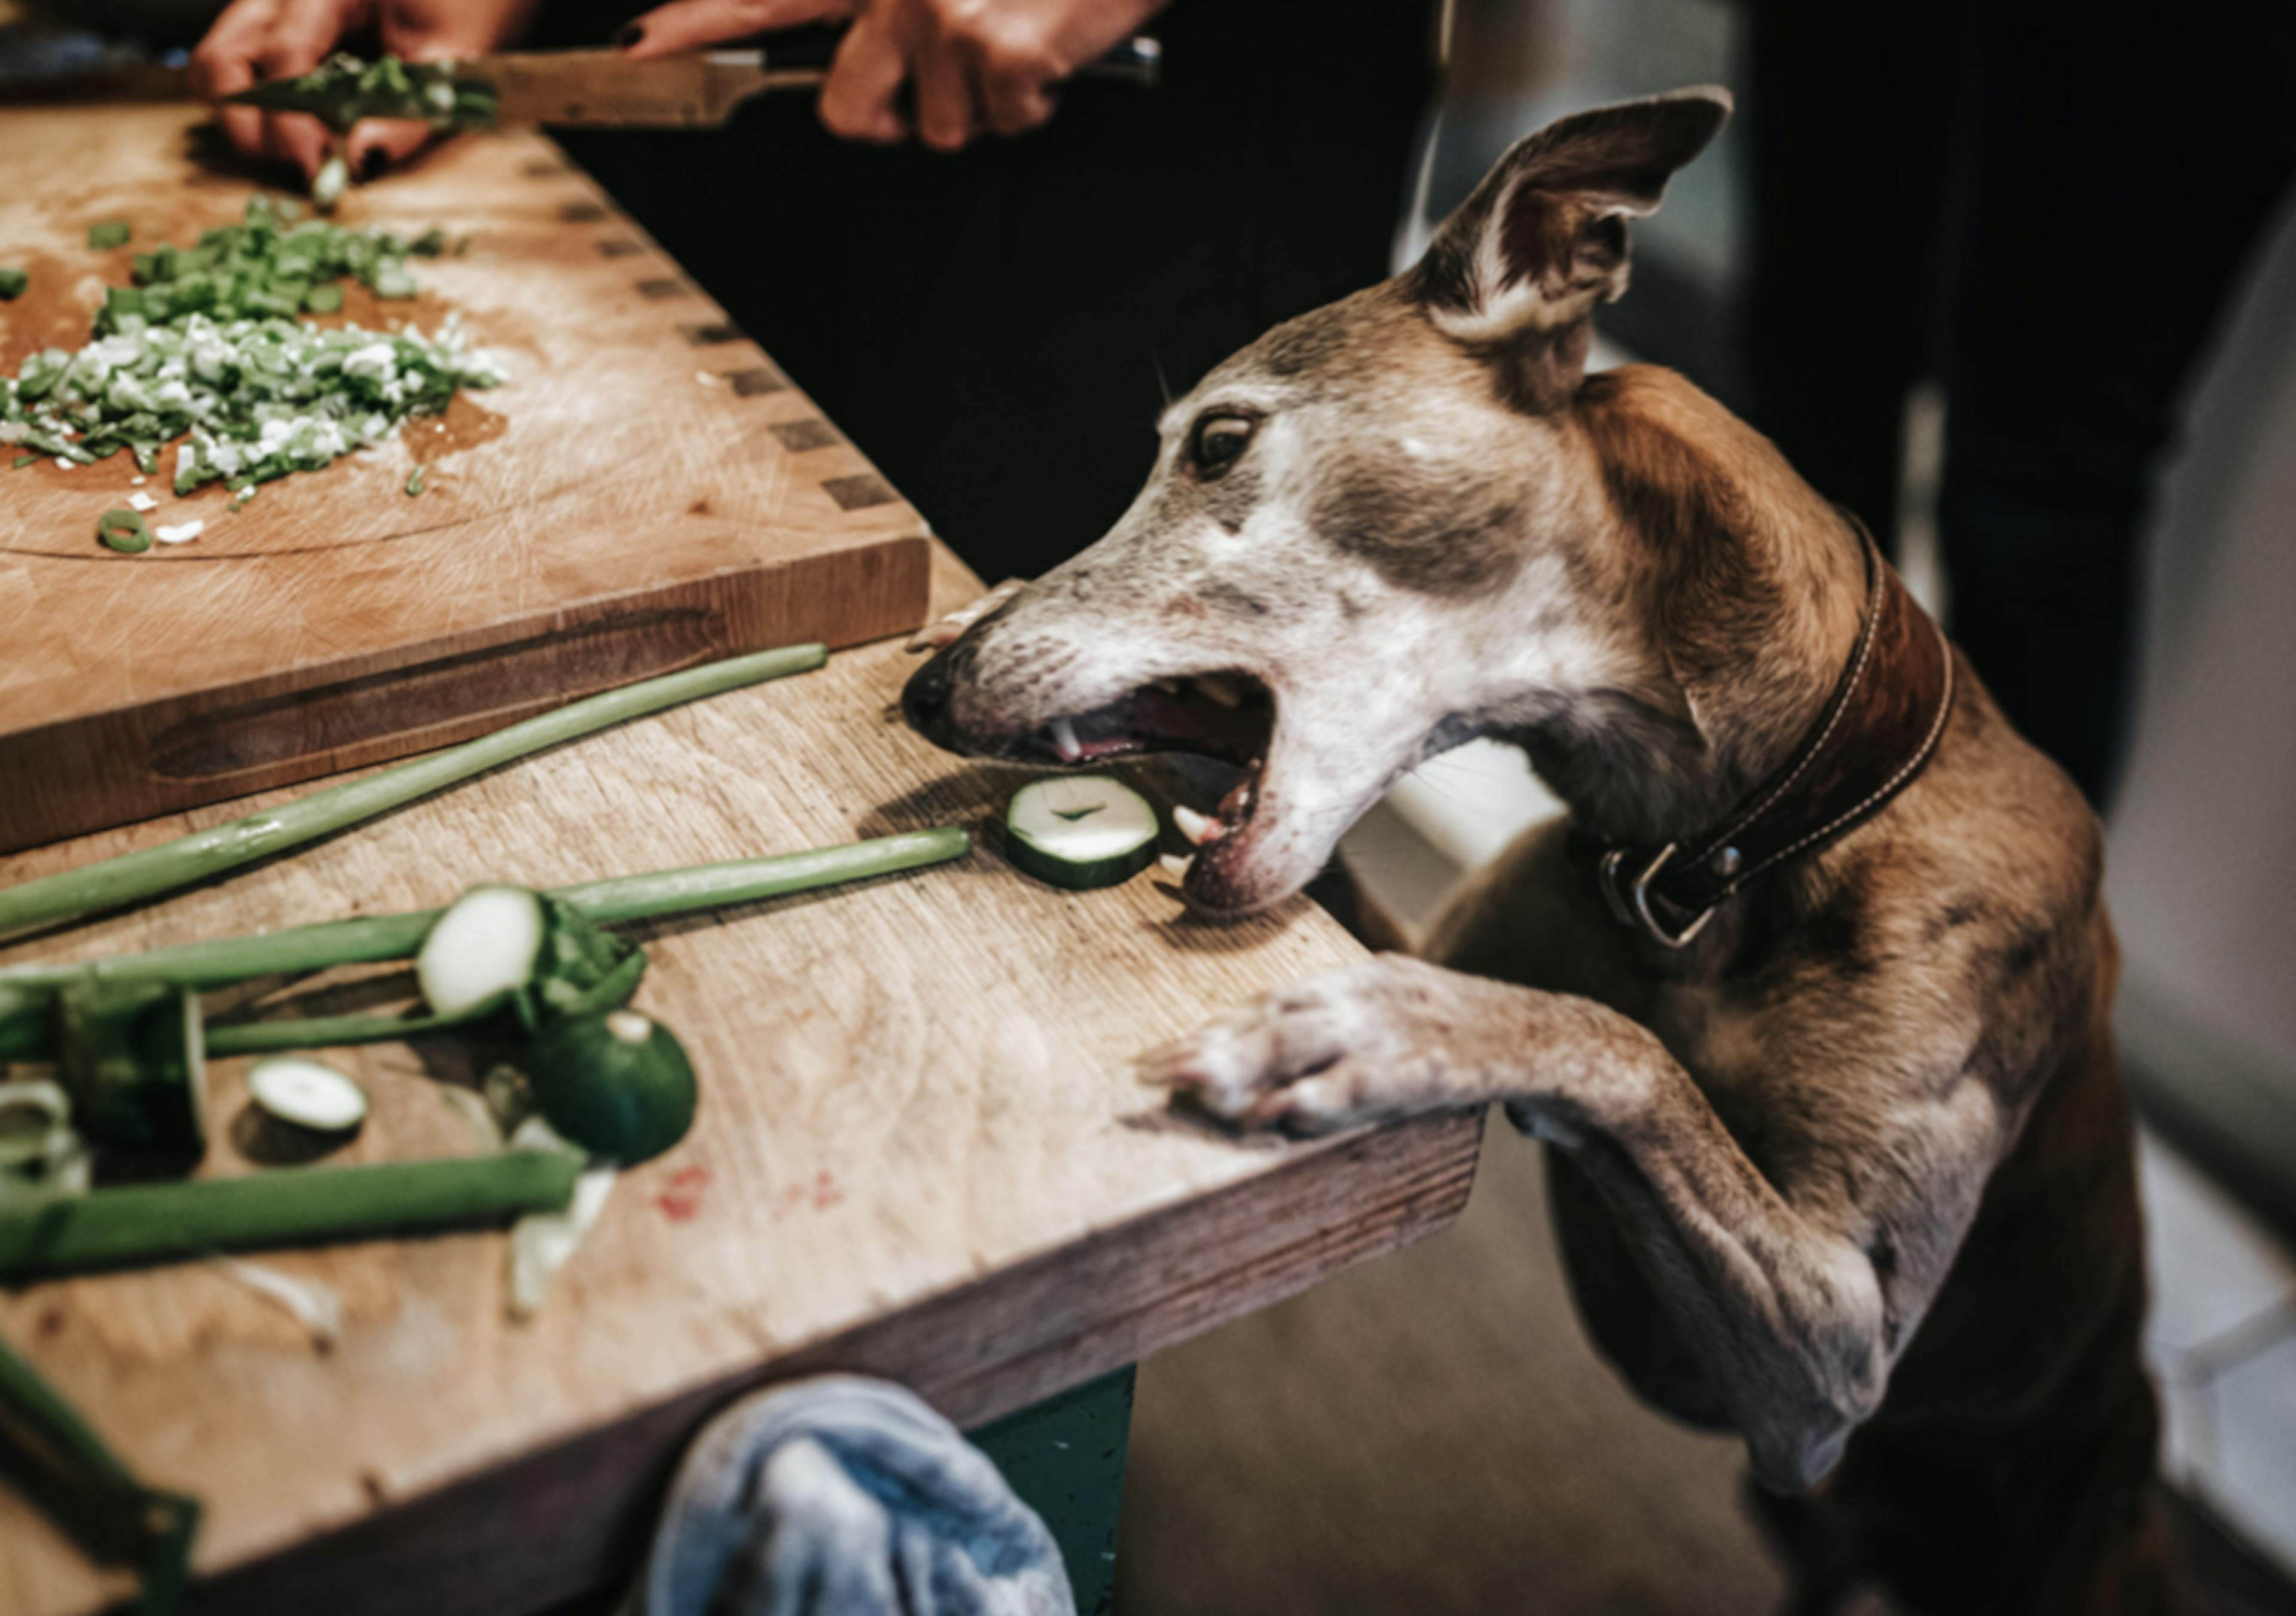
[(1350, 1046)]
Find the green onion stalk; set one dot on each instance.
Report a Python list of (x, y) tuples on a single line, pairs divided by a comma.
[(142, 1222), (133, 877), (376, 937)]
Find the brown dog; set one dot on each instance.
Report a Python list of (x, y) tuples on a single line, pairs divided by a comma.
[(1810, 995)]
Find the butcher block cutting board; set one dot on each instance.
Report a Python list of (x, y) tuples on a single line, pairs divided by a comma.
[(647, 491)]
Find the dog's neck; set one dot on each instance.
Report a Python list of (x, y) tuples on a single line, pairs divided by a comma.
[(1746, 594)]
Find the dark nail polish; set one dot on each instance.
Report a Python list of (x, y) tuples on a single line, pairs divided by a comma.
[(375, 164), (627, 35)]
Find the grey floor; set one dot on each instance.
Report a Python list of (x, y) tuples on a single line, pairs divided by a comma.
[(1429, 1434)]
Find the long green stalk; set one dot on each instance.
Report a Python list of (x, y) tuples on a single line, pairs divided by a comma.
[(330, 1031), (288, 1206), (370, 938), (144, 873), (85, 1488)]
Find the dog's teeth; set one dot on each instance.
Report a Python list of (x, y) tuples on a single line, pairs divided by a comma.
[(1196, 827), (1220, 688), (1176, 866), (1171, 687), (1064, 741)]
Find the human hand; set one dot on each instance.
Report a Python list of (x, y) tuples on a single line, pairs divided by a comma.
[(976, 65), (256, 40)]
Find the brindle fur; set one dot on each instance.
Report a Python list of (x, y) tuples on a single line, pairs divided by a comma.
[(1852, 1174)]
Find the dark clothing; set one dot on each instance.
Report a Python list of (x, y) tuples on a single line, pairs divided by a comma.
[(989, 327), (2045, 203)]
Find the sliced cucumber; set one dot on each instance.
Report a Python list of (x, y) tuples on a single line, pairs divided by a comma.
[(481, 950), (617, 1084), (309, 1095), (1081, 831)]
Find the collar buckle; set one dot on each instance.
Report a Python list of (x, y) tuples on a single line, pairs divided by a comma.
[(1630, 901)]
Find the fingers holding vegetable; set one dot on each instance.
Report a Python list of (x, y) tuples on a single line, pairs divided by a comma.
[(259, 41)]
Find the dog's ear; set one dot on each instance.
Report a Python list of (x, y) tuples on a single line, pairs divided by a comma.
[(1520, 267)]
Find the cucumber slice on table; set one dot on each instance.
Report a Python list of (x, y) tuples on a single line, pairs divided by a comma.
[(309, 1095), (1081, 831), (482, 950), (617, 1084)]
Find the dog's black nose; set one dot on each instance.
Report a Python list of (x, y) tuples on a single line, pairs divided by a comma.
[(924, 699)]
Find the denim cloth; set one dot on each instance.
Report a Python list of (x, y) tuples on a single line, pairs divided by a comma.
[(845, 1496)]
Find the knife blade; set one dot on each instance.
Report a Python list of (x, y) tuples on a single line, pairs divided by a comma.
[(605, 88)]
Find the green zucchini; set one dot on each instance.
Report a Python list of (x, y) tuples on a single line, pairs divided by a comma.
[(134, 1061), (619, 1085), (1081, 831)]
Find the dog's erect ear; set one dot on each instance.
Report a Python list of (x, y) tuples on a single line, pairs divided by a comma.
[(1544, 237)]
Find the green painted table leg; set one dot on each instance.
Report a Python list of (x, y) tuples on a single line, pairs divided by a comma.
[(1065, 1455)]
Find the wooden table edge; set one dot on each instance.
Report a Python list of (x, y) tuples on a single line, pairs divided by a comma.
[(573, 1516)]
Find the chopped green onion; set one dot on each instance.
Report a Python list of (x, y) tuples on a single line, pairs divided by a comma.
[(12, 282), (124, 531), (415, 482), (327, 299), (23, 461), (150, 871), (112, 233)]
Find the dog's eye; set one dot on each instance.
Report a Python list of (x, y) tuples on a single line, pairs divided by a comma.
[(1218, 440)]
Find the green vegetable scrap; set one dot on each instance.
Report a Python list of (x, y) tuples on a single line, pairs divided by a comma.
[(134, 1061), (415, 482), (207, 343), (343, 89), (110, 233), (12, 282), (124, 531)]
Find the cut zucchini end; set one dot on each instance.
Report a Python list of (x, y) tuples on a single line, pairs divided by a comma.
[(1081, 831), (619, 1085), (482, 950), (306, 1094)]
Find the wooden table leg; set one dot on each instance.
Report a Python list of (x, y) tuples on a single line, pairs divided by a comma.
[(1065, 1457)]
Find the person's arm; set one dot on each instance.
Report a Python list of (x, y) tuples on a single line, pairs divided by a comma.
[(976, 65), (255, 40)]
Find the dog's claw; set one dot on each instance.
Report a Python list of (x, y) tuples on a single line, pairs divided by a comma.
[(948, 630)]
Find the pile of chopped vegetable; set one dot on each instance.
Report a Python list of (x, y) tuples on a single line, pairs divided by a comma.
[(206, 347)]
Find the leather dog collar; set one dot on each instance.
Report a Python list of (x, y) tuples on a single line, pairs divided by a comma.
[(1879, 728)]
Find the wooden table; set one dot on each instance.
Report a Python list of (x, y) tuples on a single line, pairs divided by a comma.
[(920, 1154)]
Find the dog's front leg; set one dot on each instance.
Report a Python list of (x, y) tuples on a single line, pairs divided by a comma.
[(1782, 1304)]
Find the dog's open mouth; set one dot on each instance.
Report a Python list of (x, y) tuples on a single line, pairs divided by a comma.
[(1228, 716)]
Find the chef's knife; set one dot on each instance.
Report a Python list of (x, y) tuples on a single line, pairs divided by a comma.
[(605, 88)]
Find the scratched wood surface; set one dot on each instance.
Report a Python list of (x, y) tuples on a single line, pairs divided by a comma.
[(921, 1153), (647, 491)]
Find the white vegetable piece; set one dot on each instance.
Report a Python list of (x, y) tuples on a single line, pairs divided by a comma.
[(307, 1094), (483, 947), (182, 533)]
